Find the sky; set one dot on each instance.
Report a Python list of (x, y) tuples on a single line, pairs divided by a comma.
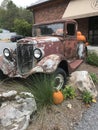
[(22, 3)]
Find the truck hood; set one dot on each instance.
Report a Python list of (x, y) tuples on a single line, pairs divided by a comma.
[(36, 40)]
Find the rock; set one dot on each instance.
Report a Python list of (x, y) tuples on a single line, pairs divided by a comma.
[(69, 106), (9, 94), (14, 115), (83, 81), (26, 93)]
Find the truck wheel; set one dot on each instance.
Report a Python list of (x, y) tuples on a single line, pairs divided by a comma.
[(60, 79), (2, 76)]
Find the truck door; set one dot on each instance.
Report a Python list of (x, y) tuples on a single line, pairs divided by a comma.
[(70, 43)]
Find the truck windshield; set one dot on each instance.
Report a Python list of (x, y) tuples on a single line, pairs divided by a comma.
[(48, 29)]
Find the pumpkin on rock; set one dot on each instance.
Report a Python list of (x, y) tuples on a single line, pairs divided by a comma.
[(58, 97)]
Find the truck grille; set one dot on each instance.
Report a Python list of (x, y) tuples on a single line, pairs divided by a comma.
[(24, 57)]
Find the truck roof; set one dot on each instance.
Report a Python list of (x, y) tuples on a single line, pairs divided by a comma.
[(56, 21)]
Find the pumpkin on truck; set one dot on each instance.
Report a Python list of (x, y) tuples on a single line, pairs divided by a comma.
[(52, 50)]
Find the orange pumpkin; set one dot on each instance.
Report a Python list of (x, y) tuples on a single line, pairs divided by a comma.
[(58, 97), (79, 33), (81, 38)]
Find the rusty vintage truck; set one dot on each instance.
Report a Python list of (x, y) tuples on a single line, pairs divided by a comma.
[(53, 49)]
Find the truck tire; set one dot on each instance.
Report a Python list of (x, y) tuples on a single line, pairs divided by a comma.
[(2, 76), (60, 79)]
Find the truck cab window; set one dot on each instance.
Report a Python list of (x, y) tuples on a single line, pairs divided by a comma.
[(71, 29)]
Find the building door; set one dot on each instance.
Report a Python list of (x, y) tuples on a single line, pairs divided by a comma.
[(93, 30)]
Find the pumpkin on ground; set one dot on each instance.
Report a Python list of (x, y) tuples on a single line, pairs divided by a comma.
[(58, 97)]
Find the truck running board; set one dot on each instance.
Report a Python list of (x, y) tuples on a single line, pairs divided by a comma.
[(75, 64)]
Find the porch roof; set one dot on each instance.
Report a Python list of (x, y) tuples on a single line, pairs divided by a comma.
[(38, 2), (81, 9)]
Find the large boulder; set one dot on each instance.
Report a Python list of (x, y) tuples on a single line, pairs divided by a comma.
[(15, 110), (83, 81)]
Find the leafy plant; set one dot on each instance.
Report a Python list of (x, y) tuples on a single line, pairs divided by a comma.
[(87, 97), (22, 27), (41, 86), (69, 92), (94, 77), (92, 58)]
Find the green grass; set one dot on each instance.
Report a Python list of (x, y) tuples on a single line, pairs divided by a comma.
[(13, 84), (41, 86), (92, 58), (94, 77)]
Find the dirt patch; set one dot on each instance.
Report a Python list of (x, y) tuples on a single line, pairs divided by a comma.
[(57, 117), (89, 68)]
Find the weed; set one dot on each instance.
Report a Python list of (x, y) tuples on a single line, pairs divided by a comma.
[(92, 58), (94, 77), (87, 97), (69, 92)]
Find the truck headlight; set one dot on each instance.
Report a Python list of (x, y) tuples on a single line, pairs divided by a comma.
[(6, 52), (37, 53)]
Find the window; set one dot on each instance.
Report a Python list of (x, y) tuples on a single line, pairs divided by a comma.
[(71, 29), (93, 30), (48, 29)]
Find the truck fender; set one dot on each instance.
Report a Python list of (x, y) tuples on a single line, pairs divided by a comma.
[(48, 64)]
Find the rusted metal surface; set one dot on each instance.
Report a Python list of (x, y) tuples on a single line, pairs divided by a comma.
[(1, 58), (49, 45), (57, 21), (47, 64), (70, 46), (54, 49)]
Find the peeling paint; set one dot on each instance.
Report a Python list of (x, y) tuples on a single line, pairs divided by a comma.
[(49, 64), (55, 49)]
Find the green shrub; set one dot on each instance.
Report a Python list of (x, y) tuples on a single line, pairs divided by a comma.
[(1, 31), (92, 58), (41, 86), (69, 92), (87, 97), (94, 77)]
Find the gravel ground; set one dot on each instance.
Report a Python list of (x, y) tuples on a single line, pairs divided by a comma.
[(89, 120)]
